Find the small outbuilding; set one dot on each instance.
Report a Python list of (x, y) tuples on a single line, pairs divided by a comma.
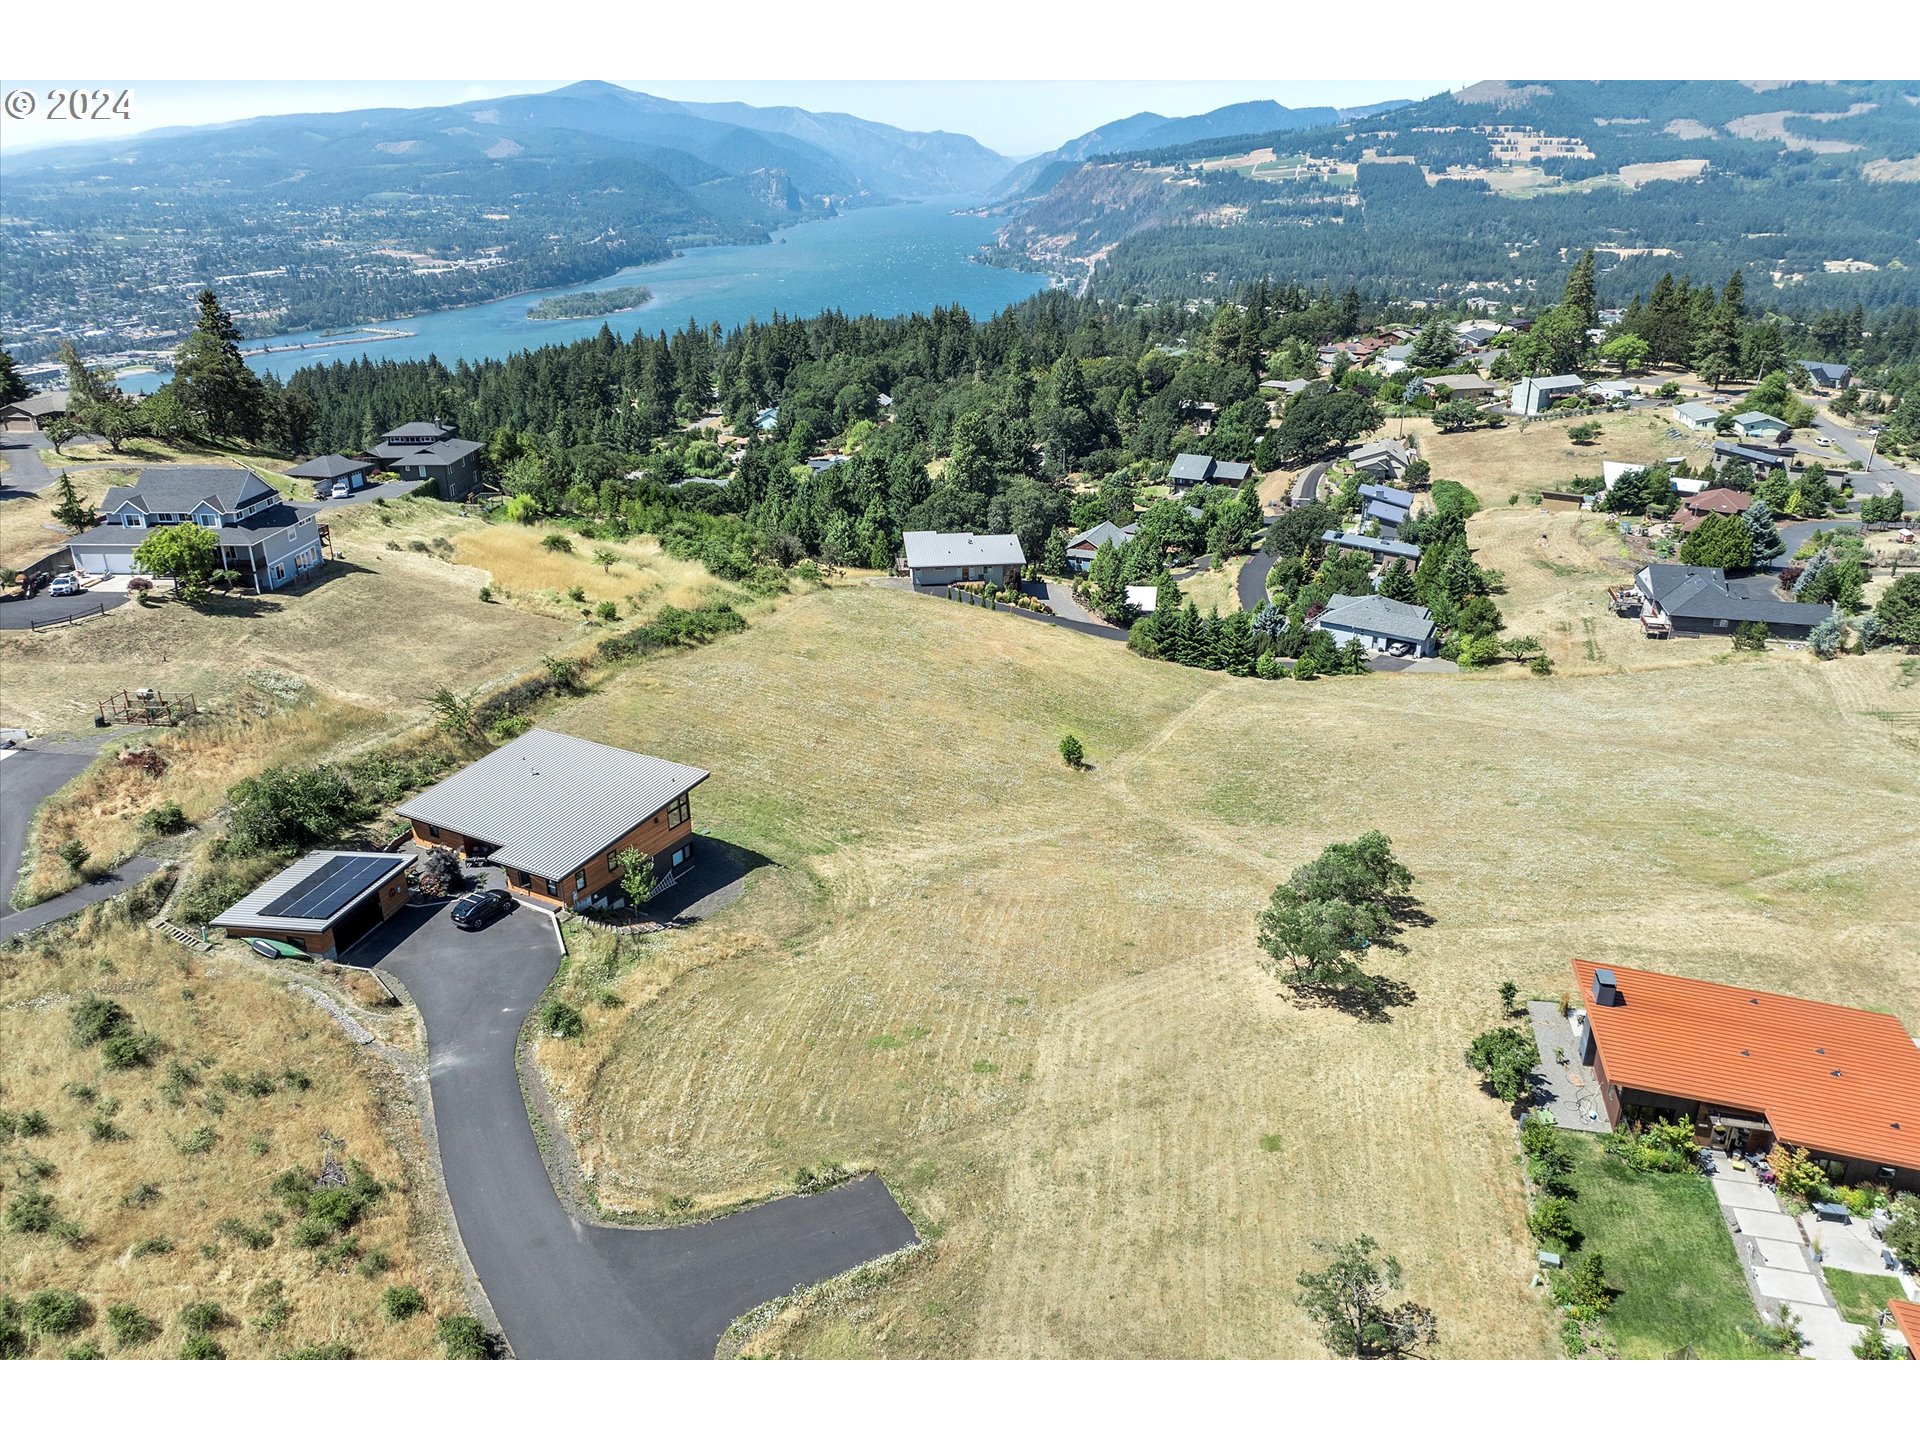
[(325, 470), (324, 903)]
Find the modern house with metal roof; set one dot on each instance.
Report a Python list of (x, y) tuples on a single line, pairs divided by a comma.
[(555, 812), (1747, 1067), (266, 541), (1190, 469), (1083, 547), (1380, 624), (324, 902), (933, 558), (1385, 549), (1539, 394)]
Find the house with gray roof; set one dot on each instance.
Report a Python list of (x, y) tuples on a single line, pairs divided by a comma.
[(1389, 627), (1188, 469), (265, 540), (1697, 600), (325, 471), (1459, 387), (933, 558), (1539, 394), (556, 812), (429, 452), (1385, 549), (32, 411), (1827, 374), (1083, 547), (1758, 425), (1387, 459), (1697, 415)]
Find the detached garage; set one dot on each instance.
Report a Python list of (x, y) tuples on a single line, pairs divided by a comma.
[(323, 903)]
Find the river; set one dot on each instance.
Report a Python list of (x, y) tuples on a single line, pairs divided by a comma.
[(885, 260)]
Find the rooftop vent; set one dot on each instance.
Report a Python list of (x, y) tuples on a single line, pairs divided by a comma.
[(1606, 990)]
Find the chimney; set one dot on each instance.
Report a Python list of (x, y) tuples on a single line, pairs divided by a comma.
[(1606, 990)]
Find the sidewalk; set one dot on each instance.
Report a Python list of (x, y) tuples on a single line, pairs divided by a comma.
[(1778, 1263)]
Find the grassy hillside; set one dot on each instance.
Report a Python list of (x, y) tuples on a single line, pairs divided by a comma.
[(1029, 996)]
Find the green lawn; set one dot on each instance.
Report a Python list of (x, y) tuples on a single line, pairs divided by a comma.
[(1862, 1297), (1668, 1255)]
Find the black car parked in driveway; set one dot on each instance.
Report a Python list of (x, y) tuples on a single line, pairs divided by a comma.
[(481, 909)]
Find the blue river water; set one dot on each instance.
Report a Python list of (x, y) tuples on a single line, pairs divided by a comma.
[(887, 260)]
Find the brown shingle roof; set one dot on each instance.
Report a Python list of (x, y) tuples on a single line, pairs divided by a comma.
[(1834, 1079)]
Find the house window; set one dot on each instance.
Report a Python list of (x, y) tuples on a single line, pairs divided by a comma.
[(552, 888), (579, 882), (434, 831), (1886, 1172), (526, 881), (679, 857), (677, 812)]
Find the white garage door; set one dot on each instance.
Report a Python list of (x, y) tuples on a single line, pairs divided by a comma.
[(103, 562)]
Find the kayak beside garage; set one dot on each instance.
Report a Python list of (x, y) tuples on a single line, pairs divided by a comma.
[(323, 903)]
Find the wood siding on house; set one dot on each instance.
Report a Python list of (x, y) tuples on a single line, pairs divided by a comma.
[(660, 835)]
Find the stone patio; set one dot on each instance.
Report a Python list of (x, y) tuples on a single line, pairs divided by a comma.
[(1777, 1262), (1572, 1096)]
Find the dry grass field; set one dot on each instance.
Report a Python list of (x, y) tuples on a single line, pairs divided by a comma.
[(1521, 457), (1030, 996), (165, 1170), (103, 807), (1215, 589)]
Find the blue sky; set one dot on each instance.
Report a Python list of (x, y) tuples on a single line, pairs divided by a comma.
[(1015, 117)]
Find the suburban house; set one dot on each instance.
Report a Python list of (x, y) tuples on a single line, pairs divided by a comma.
[(1696, 415), (555, 812), (1760, 460), (429, 451), (1484, 359), (1696, 600), (1386, 459), (937, 559), (1758, 425), (1385, 549), (1747, 1067), (1613, 391), (1474, 333), (1205, 470), (1386, 505), (1459, 387), (262, 537), (1393, 359), (324, 902), (767, 419), (34, 410), (1083, 547), (819, 464), (1379, 624), (1538, 395), (325, 471), (1288, 388), (1827, 374), (1717, 501)]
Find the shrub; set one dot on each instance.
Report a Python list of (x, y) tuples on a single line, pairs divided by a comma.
[(31, 1123), (1552, 1222), (401, 1302), (75, 854), (486, 594), (201, 1346), (1072, 751), (440, 874), (129, 1327), (562, 1021), (152, 1245), (85, 1350), (31, 1211), (56, 1312), (128, 1052), (199, 1316), (606, 610), (462, 1337), (13, 1335), (331, 1350), (167, 819), (94, 1020)]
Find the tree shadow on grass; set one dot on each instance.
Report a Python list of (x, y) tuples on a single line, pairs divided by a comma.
[(1373, 999)]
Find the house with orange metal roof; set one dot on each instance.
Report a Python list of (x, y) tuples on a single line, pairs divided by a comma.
[(1747, 1067), (1906, 1318)]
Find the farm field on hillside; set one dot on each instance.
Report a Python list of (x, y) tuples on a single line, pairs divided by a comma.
[(1029, 995)]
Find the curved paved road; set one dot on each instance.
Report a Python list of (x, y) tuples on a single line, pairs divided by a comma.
[(28, 775), (563, 1288)]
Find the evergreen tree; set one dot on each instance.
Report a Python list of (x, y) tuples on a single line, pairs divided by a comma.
[(1721, 541), (1764, 540), (1581, 298), (1433, 347), (12, 387), (220, 392), (68, 509), (1396, 583)]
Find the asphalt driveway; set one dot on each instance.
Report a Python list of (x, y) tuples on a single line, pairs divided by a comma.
[(42, 608), (564, 1289), (30, 773)]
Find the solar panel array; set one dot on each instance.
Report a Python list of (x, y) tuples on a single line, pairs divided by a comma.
[(329, 887)]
